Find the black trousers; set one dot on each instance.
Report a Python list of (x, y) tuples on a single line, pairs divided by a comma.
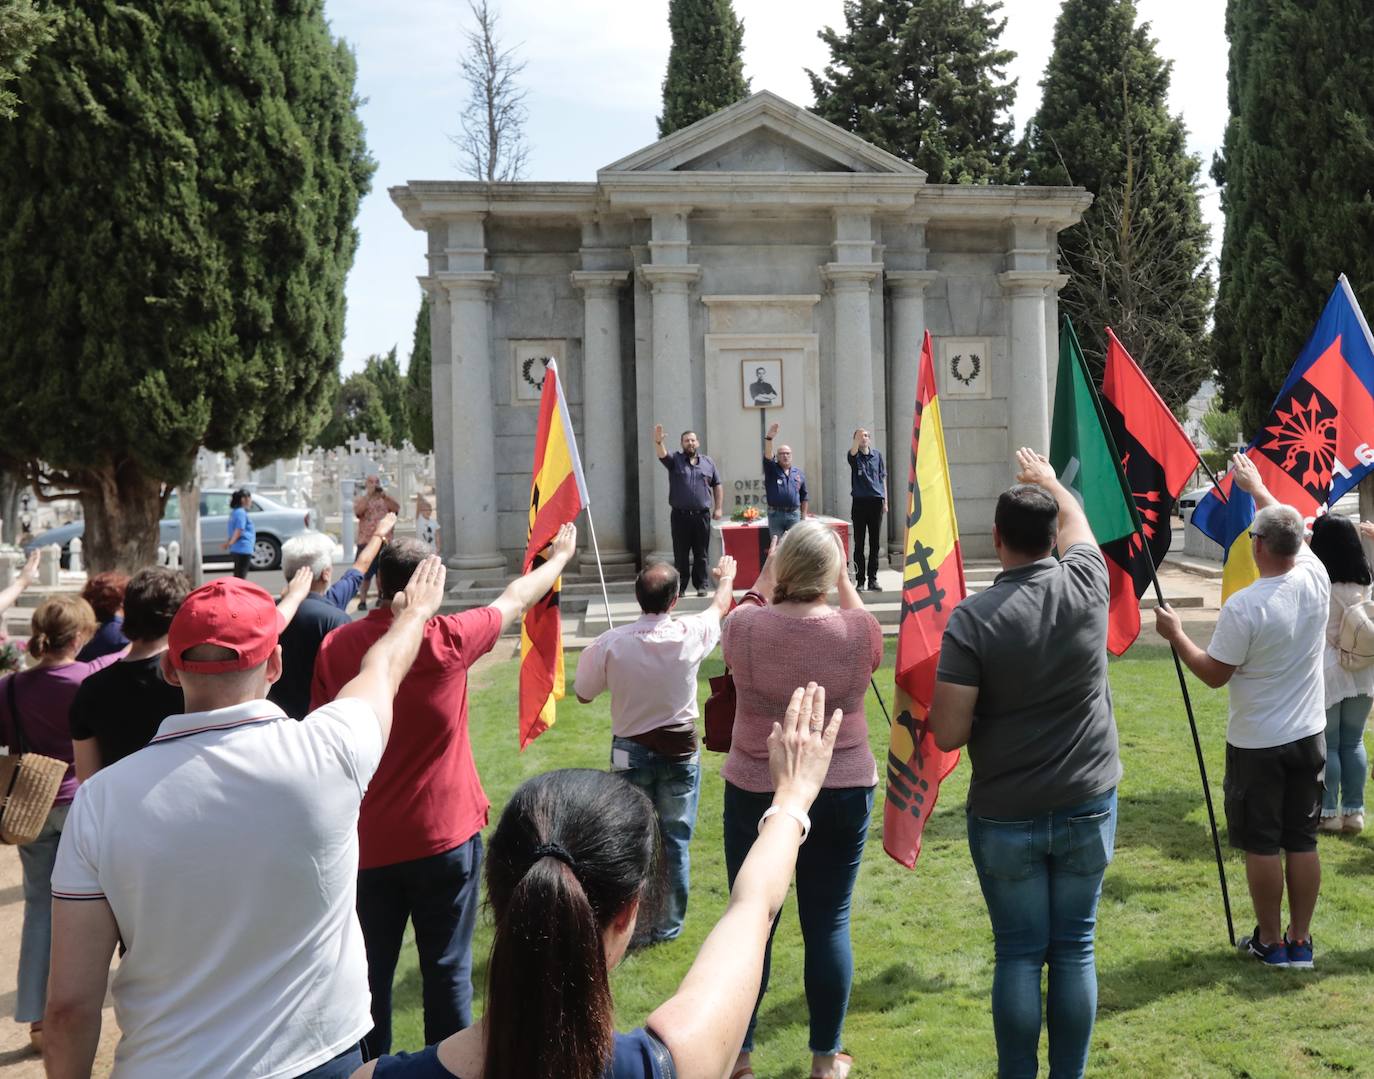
[(691, 537), (242, 564), (867, 514)]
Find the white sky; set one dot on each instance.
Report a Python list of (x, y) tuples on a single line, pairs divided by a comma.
[(593, 75)]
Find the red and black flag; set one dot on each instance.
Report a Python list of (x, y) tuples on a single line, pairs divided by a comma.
[(1158, 459)]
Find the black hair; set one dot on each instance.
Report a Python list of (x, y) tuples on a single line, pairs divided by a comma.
[(656, 587), (1336, 542), (153, 597), (239, 497), (1027, 519), (573, 849), (397, 563), (684, 434)]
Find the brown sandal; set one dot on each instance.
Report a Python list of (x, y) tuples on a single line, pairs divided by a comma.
[(745, 1072), (840, 1069)]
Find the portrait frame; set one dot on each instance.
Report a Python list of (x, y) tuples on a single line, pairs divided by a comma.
[(761, 391)]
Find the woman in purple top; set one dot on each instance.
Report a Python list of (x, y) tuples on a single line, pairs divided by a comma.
[(570, 864), (783, 634), (33, 714)]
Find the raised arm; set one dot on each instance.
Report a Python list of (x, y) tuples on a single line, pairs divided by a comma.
[(523, 592), (768, 441), (849, 595), (387, 661), (703, 1024), (374, 546), (724, 573), (296, 591), (858, 441), (659, 447), (1033, 467), (22, 580), (1246, 476)]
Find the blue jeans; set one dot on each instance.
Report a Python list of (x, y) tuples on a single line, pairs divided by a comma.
[(675, 788), (1347, 763), (827, 866), (779, 521), (1042, 879), (36, 860), (439, 896), (341, 1067)]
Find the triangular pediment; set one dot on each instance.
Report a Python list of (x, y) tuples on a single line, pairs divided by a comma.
[(763, 133)]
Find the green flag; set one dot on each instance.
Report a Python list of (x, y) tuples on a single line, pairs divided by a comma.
[(1081, 450)]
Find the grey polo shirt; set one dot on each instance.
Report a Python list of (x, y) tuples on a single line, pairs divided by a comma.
[(1035, 645), (690, 481)]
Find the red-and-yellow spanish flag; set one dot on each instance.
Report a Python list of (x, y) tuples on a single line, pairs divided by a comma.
[(932, 583), (558, 493)]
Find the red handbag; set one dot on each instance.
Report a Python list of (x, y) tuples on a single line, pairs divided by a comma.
[(720, 712)]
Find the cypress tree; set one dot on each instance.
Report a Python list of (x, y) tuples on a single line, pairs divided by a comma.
[(419, 396), (360, 408), (1138, 260), (705, 62), (23, 30), (1295, 174), (177, 201), (385, 373), (924, 80)]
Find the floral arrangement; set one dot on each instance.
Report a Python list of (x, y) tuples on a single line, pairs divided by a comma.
[(11, 654), (747, 515)]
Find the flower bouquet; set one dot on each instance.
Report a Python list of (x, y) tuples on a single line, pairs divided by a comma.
[(11, 654), (748, 515)]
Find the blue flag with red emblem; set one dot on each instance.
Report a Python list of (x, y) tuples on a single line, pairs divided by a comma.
[(1315, 444)]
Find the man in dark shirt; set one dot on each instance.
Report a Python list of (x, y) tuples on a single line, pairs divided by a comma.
[(784, 485), (118, 710), (321, 612), (695, 496), (868, 491), (1022, 680)]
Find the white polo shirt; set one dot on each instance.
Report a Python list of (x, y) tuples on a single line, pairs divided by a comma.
[(650, 667), (228, 851)]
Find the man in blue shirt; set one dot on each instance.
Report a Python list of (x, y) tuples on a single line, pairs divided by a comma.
[(784, 485), (868, 489), (695, 496)]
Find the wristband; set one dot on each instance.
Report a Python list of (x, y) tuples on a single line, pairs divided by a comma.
[(796, 814)]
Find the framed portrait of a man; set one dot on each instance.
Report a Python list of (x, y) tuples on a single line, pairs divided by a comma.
[(761, 383)]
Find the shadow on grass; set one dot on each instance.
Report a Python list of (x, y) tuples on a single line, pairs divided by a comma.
[(880, 992), (1138, 985), (1156, 819)]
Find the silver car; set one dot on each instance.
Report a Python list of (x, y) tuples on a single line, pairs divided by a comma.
[(273, 525)]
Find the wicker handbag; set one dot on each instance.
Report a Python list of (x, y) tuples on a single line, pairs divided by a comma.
[(28, 784)]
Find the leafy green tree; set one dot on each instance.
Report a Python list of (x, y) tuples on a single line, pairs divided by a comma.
[(177, 200), (1138, 262), (24, 29), (1295, 174), (419, 396), (925, 80), (359, 409), (705, 62), (385, 373), (1221, 426)]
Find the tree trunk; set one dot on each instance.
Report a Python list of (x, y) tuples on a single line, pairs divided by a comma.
[(191, 554), (122, 512), (11, 486)]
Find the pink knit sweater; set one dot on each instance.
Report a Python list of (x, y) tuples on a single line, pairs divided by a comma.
[(771, 654)]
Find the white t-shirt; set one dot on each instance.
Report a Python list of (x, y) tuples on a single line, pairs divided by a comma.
[(228, 851), (1274, 633), (425, 529), (650, 667)]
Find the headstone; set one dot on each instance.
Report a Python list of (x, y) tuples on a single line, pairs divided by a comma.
[(50, 566), (74, 555), (174, 555), (347, 521), (10, 561), (161, 555)]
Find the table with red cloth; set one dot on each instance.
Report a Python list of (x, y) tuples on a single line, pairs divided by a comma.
[(747, 543)]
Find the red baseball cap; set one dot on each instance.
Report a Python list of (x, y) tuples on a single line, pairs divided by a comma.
[(231, 613)]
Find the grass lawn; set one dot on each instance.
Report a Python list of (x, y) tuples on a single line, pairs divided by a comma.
[(1174, 999)]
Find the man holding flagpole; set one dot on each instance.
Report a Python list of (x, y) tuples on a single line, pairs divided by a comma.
[(1043, 749)]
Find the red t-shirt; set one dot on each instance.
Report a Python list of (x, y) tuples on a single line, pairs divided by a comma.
[(426, 797)]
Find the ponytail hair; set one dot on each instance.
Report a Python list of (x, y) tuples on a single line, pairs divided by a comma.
[(574, 848), (58, 623)]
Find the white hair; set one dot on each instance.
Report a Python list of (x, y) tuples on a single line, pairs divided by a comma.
[(313, 549), (1281, 528)]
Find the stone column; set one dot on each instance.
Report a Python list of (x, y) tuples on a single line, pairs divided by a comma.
[(468, 417), (852, 401), (670, 276), (1028, 403), (604, 440), (908, 328)]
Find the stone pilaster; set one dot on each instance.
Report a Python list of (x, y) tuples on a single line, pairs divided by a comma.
[(471, 434), (908, 289), (1028, 403), (604, 440)]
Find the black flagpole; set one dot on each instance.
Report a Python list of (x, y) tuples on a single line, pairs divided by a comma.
[(1178, 664), (881, 704)]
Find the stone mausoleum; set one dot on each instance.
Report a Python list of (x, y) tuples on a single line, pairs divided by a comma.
[(761, 265)]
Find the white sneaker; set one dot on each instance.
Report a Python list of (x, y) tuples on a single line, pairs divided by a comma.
[(1330, 824), (1352, 823)]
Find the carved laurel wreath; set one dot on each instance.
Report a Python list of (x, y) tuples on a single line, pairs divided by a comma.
[(975, 361), (530, 362)]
